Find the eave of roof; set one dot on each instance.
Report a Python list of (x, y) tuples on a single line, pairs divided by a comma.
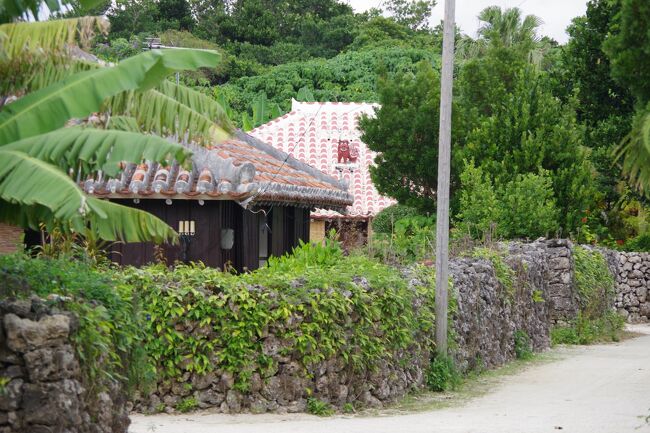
[(243, 169)]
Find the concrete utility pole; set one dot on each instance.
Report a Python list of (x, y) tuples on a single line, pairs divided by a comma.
[(444, 162)]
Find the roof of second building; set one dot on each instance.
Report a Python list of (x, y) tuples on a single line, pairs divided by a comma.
[(326, 136), (242, 168)]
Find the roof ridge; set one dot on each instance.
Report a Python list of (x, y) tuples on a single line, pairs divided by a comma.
[(290, 160)]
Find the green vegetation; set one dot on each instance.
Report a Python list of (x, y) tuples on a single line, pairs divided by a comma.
[(523, 345), (385, 220), (187, 405), (108, 341), (319, 407), (443, 375), (40, 156), (232, 314), (412, 239), (596, 320)]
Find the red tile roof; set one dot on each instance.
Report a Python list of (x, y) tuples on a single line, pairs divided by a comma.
[(311, 132), (240, 168)]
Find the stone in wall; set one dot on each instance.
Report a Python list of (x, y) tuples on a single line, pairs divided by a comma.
[(632, 275), (44, 390), (562, 294)]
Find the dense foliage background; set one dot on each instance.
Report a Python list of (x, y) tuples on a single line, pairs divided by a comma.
[(556, 132)]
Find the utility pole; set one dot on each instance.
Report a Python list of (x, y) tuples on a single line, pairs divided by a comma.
[(444, 169)]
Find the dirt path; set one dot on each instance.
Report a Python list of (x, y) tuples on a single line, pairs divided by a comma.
[(596, 389)]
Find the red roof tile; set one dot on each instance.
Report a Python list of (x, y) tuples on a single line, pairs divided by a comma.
[(311, 132)]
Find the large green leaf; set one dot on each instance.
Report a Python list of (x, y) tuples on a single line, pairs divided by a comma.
[(20, 38), (83, 93), (197, 101), (127, 224), (162, 114), (29, 181), (34, 192), (97, 149)]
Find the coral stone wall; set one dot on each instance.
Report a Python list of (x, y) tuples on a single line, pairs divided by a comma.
[(41, 388), (632, 275), (287, 386), (488, 313), (560, 278)]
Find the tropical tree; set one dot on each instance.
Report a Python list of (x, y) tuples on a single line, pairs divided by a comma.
[(509, 29), (401, 133), (412, 13), (628, 48), (43, 161)]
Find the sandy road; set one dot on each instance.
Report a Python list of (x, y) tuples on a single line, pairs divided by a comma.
[(595, 389)]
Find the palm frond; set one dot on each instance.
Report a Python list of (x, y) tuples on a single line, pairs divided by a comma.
[(49, 108), (33, 192), (634, 152), (97, 149), (49, 36)]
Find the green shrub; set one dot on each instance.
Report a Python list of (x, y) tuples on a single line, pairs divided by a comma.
[(318, 407), (522, 208), (588, 331), (413, 239), (108, 341), (594, 282), (187, 404), (348, 408), (640, 243), (523, 345), (443, 375), (479, 206), (385, 220), (308, 299), (528, 208)]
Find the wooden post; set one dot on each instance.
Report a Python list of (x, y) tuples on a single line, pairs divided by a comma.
[(444, 162)]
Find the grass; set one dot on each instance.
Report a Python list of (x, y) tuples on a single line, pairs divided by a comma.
[(473, 385)]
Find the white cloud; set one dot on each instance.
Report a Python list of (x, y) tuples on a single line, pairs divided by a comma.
[(556, 14)]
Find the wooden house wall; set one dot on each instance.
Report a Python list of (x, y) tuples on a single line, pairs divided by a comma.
[(288, 226)]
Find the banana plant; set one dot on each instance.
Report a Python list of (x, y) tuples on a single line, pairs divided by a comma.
[(263, 111), (39, 157)]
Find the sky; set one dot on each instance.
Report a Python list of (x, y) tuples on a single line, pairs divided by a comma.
[(556, 14)]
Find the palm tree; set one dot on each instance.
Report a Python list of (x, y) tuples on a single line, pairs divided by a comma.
[(633, 152), (40, 158), (505, 28)]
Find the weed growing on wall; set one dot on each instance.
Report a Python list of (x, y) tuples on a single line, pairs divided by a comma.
[(504, 273), (442, 374), (523, 345), (596, 320), (108, 340), (319, 407)]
